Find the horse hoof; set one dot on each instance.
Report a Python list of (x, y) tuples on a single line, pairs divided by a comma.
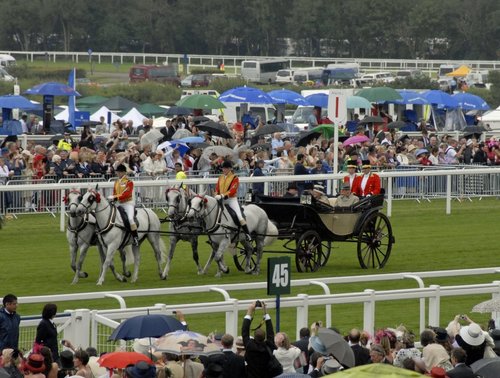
[(99, 283), (85, 275), (218, 275), (255, 272), (248, 270), (163, 277), (127, 274), (123, 279), (201, 272), (226, 271)]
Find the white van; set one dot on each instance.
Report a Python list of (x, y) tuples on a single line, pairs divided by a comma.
[(7, 60), (5, 76), (378, 77), (284, 76)]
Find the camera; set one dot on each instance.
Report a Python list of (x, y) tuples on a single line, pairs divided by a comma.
[(258, 304)]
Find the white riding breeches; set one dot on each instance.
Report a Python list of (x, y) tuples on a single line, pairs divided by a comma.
[(129, 209), (233, 204)]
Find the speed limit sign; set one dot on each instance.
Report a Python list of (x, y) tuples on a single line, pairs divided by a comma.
[(278, 275)]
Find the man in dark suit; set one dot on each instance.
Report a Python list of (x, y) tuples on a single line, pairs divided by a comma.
[(460, 370), (303, 345), (361, 354), (233, 365), (258, 351), (300, 169)]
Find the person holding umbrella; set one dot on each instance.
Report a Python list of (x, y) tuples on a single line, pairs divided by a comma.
[(227, 190)]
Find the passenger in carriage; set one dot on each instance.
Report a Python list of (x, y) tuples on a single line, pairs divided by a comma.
[(346, 198), (368, 184), (318, 192)]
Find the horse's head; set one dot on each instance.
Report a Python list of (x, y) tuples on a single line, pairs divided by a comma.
[(89, 202), (72, 199), (197, 207), (176, 202)]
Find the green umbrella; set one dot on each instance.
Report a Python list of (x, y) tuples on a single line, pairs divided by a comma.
[(151, 110), (327, 130), (90, 101), (200, 101), (375, 371), (379, 94), (354, 102)]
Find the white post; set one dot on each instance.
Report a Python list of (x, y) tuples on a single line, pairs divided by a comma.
[(434, 306), (389, 196), (496, 314), (62, 216), (93, 328), (79, 329), (302, 315), (369, 312), (232, 318), (448, 194)]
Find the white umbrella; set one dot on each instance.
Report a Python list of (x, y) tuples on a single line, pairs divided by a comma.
[(181, 133), (491, 305), (151, 137), (160, 121)]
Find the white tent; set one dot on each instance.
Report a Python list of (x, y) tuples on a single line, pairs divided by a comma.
[(492, 118), (63, 115), (135, 116), (160, 121), (103, 111)]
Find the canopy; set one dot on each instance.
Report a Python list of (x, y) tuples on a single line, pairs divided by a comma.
[(151, 110), (119, 103), (460, 71), (90, 101), (135, 116), (63, 115), (103, 111)]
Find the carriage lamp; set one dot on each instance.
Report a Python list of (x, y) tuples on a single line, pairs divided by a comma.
[(249, 196), (306, 199)]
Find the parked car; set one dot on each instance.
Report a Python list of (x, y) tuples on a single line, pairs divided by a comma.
[(405, 74), (201, 80), (187, 81)]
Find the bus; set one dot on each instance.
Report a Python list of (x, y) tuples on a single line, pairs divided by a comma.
[(262, 71), (305, 75), (162, 74)]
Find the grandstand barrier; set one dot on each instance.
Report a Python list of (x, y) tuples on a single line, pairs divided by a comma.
[(86, 327)]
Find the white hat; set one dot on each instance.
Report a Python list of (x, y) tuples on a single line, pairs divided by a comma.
[(472, 334), (469, 142), (319, 188)]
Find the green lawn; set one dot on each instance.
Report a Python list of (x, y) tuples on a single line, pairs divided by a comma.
[(35, 261)]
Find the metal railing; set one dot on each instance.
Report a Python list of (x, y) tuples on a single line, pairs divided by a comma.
[(93, 327)]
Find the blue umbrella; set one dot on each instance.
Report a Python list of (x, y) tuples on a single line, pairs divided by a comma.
[(168, 145), (318, 99), (191, 139), (286, 96), (146, 326), (52, 89), (16, 102), (246, 94), (468, 101), (440, 98), (411, 97)]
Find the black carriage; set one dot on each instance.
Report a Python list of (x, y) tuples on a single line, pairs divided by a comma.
[(309, 228)]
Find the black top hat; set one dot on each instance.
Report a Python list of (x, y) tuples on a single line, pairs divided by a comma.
[(66, 360), (227, 164), (121, 168), (141, 370), (366, 164), (352, 164)]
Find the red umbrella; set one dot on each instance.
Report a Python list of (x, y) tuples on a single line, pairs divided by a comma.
[(121, 360), (356, 139)]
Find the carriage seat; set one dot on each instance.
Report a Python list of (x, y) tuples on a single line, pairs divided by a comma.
[(333, 201)]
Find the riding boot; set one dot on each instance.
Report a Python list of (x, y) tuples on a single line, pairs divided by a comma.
[(135, 235), (247, 232)]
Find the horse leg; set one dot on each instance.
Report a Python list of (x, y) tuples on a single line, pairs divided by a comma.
[(137, 260), (219, 257), (73, 250), (84, 247), (123, 257), (259, 249), (196, 258), (110, 251), (159, 250), (170, 256), (248, 255), (210, 259)]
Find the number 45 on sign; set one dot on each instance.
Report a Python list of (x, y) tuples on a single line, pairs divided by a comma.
[(278, 275)]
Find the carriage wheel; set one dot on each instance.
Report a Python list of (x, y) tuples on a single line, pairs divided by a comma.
[(309, 252), (240, 256), (375, 241)]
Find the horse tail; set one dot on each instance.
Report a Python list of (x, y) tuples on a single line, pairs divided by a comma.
[(271, 233)]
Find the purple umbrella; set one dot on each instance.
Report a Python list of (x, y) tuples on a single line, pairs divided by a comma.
[(356, 139), (52, 89)]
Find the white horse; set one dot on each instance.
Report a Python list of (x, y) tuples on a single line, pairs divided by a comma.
[(80, 233), (222, 231), (180, 227), (113, 235)]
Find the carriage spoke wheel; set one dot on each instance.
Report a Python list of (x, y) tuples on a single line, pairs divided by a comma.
[(309, 252), (326, 248), (375, 241), (240, 256)]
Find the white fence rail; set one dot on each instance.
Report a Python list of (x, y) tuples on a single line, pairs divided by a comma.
[(93, 327)]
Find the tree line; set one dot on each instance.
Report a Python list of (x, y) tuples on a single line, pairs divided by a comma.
[(425, 29)]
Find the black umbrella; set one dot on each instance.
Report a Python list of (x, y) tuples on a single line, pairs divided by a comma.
[(396, 125), (371, 119), (269, 129), (178, 110), (90, 123), (146, 326), (215, 129), (486, 367), (305, 138), (260, 147), (469, 130), (200, 119)]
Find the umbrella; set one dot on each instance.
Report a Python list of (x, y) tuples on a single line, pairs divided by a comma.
[(169, 145), (440, 98), (396, 125), (151, 110), (327, 130), (269, 129), (200, 101), (190, 139), (306, 137), (218, 150), (182, 133), (246, 94), (371, 119), (421, 151), (410, 97), (336, 345), (215, 129), (119, 103), (469, 101), (286, 96), (354, 102), (16, 102), (120, 360), (260, 147), (376, 371), (151, 137), (379, 94), (200, 119), (186, 343), (491, 305), (178, 110), (145, 326), (355, 139), (486, 367), (52, 89), (199, 145), (318, 99)]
